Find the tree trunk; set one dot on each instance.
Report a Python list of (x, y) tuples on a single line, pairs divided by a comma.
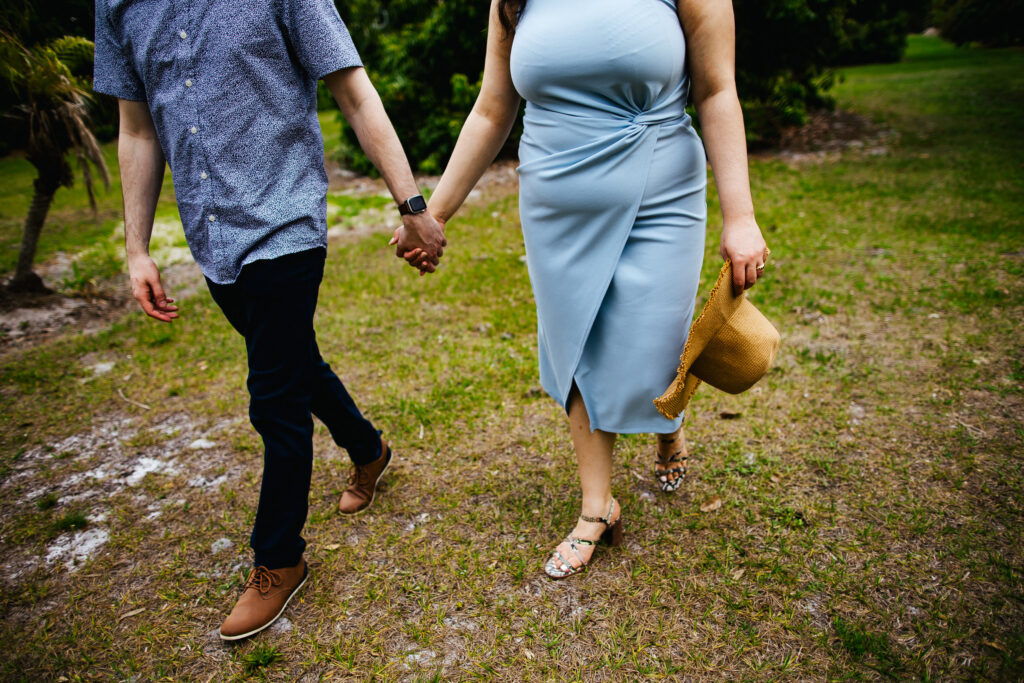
[(24, 279)]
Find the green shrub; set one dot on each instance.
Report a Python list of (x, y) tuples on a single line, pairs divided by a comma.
[(989, 22), (48, 501), (783, 49), (77, 54), (426, 58), (877, 31), (62, 25), (261, 656)]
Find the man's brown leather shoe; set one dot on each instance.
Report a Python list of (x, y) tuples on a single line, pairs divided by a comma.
[(362, 483), (267, 592)]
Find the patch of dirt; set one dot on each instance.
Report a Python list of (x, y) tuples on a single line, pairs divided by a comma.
[(27, 320), (31, 318), (829, 133), (92, 470)]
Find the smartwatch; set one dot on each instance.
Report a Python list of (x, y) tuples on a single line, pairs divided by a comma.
[(414, 204)]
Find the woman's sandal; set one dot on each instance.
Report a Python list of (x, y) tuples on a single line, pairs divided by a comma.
[(559, 567), (671, 478)]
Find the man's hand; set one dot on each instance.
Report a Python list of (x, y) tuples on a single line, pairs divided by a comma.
[(420, 241), (148, 290)]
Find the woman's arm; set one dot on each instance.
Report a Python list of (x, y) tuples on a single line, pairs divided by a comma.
[(486, 128), (710, 38)]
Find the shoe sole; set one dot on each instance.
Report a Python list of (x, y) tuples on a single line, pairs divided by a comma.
[(373, 496), (560, 577), (276, 617)]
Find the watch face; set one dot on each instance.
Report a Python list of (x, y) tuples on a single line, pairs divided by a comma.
[(417, 204)]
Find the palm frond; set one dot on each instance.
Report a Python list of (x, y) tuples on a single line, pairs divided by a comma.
[(83, 163), (76, 53), (54, 104)]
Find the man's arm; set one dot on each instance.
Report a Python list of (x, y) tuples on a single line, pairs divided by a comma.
[(142, 174), (364, 111)]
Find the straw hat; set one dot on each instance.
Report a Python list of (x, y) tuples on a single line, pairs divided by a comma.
[(730, 346)]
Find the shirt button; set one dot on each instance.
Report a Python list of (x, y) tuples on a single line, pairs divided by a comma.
[(213, 219), (183, 35), (193, 130), (188, 82), (203, 175)]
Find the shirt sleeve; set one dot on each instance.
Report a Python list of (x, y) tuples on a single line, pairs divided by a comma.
[(319, 37), (113, 71)]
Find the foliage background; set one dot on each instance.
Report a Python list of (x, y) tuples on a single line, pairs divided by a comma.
[(426, 58), (990, 22), (39, 22)]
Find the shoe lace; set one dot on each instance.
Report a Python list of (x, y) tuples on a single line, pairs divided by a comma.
[(360, 476), (262, 579)]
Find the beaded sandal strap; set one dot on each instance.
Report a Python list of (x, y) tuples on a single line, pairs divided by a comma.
[(606, 520), (572, 541), (674, 457)]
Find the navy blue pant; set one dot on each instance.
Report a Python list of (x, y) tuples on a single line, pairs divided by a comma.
[(271, 304)]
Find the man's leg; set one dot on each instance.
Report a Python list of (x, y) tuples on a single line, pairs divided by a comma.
[(353, 432), (336, 409), (272, 305)]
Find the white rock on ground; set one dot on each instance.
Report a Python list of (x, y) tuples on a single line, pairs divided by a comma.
[(421, 658), (282, 625), (201, 482), (144, 466), (77, 548), (220, 545), (101, 368)]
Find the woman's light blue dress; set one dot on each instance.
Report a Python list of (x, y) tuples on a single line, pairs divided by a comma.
[(612, 182)]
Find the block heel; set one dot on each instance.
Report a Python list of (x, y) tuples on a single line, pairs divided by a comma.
[(615, 534)]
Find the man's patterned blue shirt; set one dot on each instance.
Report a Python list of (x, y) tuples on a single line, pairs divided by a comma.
[(231, 85)]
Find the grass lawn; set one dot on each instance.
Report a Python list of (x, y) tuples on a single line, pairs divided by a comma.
[(870, 487)]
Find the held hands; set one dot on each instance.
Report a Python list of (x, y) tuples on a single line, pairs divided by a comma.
[(420, 241), (148, 290), (742, 242)]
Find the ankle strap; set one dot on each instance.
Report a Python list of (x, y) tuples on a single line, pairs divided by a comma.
[(606, 520)]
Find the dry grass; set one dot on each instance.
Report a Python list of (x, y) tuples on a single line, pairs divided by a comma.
[(871, 513)]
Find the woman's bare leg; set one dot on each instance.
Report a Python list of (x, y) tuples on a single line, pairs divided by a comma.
[(594, 461)]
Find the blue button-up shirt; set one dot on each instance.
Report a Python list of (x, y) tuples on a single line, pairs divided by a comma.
[(231, 86)]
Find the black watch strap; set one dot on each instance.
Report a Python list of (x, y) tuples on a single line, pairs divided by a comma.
[(414, 204)]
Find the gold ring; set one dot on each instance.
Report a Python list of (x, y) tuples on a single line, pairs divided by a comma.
[(760, 267)]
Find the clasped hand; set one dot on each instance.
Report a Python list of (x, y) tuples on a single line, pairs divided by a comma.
[(420, 241)]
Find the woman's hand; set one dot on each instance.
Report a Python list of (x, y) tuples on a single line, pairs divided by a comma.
[(416, 257), (743, 244)]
